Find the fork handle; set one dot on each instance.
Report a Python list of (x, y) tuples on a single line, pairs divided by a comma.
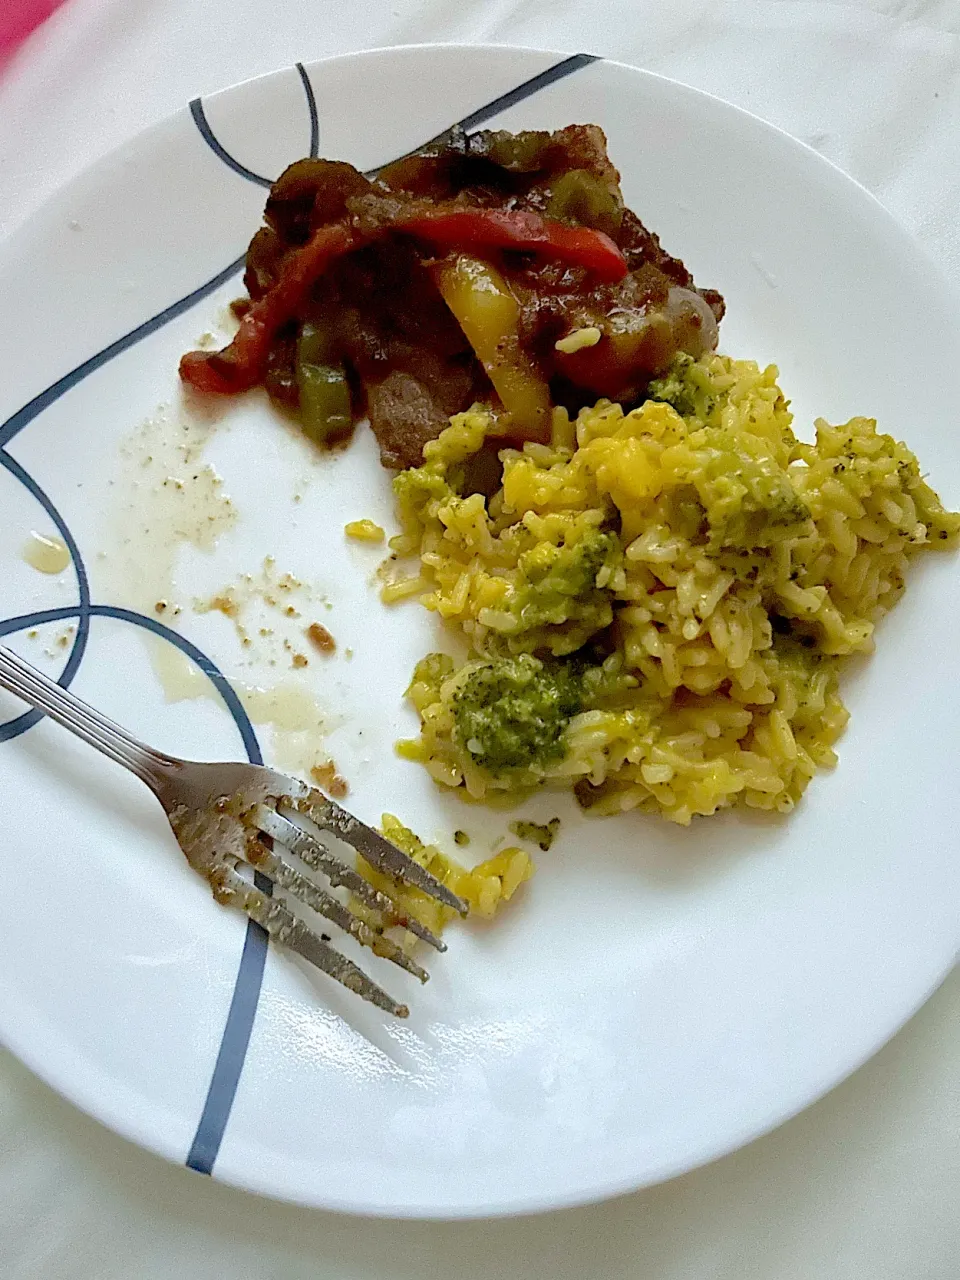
[(21, 678)]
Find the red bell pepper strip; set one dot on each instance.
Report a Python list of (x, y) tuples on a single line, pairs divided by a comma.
[(477, 229), (242, 364)]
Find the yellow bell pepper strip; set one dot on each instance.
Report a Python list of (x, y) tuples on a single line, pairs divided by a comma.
[(488, 313)]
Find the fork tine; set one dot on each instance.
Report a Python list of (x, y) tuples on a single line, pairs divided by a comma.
[(413, 925), (377, 850), (231, 889), (266, 861), (315, 856)]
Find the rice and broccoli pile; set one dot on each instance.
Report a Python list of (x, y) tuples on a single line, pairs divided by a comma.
[(657, 604)]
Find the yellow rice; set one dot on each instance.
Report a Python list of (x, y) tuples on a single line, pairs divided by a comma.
[(484, 887), (732, 569)]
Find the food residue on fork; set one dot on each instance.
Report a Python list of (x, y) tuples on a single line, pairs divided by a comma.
[(46, 554)]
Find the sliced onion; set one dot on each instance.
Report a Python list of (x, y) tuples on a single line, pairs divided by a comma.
[(694, 324)]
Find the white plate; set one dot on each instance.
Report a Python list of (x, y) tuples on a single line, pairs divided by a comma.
[(656, 997)]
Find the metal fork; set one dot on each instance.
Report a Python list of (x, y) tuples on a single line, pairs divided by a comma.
[(233, 817)]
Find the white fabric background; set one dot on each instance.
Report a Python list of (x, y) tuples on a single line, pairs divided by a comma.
[(866, 1184)]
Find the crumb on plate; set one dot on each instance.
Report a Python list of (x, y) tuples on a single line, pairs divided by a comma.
[(329, 780), (541, 834), (321, 638)]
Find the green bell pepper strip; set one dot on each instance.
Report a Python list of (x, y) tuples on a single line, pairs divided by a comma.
[(324, 391), (242, 364)]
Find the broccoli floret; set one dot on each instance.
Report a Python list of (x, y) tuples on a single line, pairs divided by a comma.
[(565, 572), (511, 713), (557, 603), (539, 833), (687, 387)]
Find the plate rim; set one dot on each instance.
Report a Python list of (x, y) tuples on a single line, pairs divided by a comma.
[(597, 1192)]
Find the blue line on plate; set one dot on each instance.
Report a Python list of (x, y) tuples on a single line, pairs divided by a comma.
[(248, 737), (220, 151), (45, 399), (312, 108), (232, 1053), (558, 71), (246, 988), (209, 137), (213, 673)]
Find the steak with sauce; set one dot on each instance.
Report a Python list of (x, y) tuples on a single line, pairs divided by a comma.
[(450, 278)]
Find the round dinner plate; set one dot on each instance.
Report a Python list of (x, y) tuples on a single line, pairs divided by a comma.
[(655, 996)]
